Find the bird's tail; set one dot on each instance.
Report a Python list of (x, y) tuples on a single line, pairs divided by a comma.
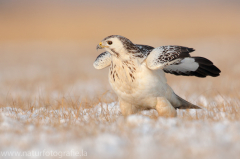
[(186, 105)]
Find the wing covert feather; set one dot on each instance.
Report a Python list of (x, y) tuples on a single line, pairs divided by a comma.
[(103, 60)]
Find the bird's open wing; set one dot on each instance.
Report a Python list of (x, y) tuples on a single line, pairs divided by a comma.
[(145, 49), (177, 60), (103, 60)]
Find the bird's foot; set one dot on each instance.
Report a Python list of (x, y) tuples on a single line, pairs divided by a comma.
[(165, 108)]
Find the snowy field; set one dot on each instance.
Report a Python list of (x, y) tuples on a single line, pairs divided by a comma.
[(101, 131), (53, 104)]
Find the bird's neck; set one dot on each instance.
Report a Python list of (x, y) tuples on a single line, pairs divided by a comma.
[(125, 60), (124, 71), (128, 66)]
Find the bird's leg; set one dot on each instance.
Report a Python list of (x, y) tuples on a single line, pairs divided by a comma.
[(126, 108), (165, 108)]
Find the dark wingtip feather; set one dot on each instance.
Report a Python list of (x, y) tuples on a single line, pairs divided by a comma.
[(198, 74), (211, 68), (206, 67), (186, 49), (206, 72), (202, 60), (191, 49)]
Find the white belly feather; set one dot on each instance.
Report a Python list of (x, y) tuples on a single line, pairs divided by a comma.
[(136, 84)]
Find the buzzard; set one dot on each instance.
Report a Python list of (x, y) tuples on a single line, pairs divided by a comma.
[(137, 74)]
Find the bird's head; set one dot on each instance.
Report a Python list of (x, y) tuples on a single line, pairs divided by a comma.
[(118, 46)]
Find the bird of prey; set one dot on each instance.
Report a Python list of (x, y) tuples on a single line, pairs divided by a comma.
[(137, 74)]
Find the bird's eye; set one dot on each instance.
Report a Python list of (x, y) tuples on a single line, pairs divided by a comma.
[(109, 42)]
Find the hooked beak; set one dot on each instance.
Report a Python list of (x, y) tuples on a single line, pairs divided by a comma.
[(100, 46)]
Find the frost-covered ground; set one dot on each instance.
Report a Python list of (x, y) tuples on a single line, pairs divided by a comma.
[(101, 131), (53, 104)]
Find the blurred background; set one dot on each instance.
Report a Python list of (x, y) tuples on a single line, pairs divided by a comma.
[(47, 47), (82, 20)]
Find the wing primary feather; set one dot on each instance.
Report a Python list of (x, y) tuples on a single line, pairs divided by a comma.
[(211, 68), (193, 66), (202, 60)]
